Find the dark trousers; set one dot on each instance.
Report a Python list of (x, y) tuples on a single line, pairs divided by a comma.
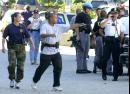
[(111, 46), (45, 61)]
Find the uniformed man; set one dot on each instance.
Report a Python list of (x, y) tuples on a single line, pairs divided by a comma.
[(17, 34), (51, 33), (99, 32), (34, 24), (113, 38), (83, 35)]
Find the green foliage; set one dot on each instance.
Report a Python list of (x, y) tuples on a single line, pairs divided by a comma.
[(76, 6), (93, 15), (53, 3), (81, 1), (79, 6), (11, 3)]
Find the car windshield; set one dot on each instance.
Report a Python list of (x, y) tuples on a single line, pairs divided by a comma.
[(96, 4), (61, 19), (69, 16)]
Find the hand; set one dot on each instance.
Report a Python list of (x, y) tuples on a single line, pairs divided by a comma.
[(78, 38), (74, 26), (94, 36), (3, 50)]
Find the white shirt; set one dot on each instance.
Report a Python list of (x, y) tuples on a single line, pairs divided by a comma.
[(125, 22), (57, 29), (111, 30), (35, 23)]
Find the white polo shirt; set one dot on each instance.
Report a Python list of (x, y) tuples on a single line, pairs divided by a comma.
[(125, 21), (112, 30), (35, 23), (57, 29)]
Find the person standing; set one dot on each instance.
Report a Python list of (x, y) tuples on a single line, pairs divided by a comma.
[(83, 36), (114, 34), (17, 34), (99, 32), (34, 24), (51, 33), (27, 14)]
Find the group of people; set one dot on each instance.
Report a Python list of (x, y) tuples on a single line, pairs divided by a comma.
[(33, 30), (108, 31)]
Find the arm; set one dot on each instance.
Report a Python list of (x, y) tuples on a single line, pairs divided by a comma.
[(31, 42), (104, 23), (121, 37), (3, 45)]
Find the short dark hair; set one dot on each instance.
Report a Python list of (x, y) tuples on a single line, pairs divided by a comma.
[(14, 15), (48, 15), (98, 9), (28, 8), (103, 14)]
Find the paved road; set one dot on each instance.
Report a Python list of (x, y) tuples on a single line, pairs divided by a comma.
[(72, 83)]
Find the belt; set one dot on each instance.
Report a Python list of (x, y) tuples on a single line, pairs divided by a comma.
[(32, 30), (49, 45)]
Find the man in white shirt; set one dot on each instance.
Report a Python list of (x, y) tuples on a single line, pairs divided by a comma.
[(34, 24), (51, 33), (114, 34)]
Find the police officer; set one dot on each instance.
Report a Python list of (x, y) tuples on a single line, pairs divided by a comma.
[(51, 33), (34, 28), (83, 35), (113, 37), (16, 49), (99, 32)]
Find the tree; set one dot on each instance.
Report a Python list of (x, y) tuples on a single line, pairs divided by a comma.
[(81, 1), (11, 2), (50, 2), (53, 3)]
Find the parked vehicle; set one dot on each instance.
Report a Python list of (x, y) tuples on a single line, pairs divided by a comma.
[(66, 18), (97, 3)]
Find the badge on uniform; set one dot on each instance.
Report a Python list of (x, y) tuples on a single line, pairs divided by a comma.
[(21, 30)]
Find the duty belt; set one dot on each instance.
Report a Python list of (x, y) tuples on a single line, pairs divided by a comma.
[(49, 45)]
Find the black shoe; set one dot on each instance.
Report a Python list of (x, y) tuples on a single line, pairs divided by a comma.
[(104, 77), (115, 79), (83, 71), (94, 71), (110, 73)]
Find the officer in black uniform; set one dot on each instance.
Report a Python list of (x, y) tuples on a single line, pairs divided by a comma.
[(114, 34)]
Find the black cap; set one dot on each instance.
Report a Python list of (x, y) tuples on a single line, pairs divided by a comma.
[(114, 10)]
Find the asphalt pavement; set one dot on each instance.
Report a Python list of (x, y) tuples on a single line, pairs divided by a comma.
[(70, 81)]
